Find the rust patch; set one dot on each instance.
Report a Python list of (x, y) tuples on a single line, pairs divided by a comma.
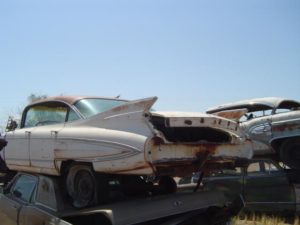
[(180, 159), (136, 167), (234, 114), (231, 114), (143, 103), (120, 108), (157, 141), (285, 127)]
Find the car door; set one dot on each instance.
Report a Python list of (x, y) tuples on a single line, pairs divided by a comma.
[(15, 198), (227, 181), (9, 210), (17, 151), (49, 119), (34, 214), (43, 208), (267, 188), (259, 130)]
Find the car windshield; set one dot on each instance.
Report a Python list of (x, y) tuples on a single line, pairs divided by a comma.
[(92, 106)]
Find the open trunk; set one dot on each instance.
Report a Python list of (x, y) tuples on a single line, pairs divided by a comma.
[(187, 141), (180, 127)]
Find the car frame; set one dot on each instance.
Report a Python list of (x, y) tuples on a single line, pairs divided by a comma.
[(273, 125)]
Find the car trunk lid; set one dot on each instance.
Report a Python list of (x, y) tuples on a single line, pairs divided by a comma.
[(194, 127)]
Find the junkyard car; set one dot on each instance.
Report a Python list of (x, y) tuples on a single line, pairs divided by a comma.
[(273, 124), (37, 199), (264, 184), (86, 138)]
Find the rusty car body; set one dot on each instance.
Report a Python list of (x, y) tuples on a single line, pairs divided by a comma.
[(273, 125), (77, 137), (35, 199)]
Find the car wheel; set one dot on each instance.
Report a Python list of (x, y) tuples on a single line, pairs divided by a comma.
[(290, 153), (167, 184), (85, 187)]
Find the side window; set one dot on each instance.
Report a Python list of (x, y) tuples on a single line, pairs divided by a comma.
[(24, 187), (256, 169), (287, 106), (45, 114), (262, 168), (46, 193), (271, 168), (72, 116), (256, 114)]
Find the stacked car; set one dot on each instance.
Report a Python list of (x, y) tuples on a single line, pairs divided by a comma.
[(97, 144), (273, 125), (95, 147)]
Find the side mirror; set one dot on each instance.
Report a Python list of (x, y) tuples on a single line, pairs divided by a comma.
[(11, 124)]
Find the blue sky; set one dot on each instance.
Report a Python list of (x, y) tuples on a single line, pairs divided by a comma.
[(191, 54)]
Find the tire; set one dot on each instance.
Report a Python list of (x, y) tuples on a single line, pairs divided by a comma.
[(167, 184), (85, 187), (290, 153)]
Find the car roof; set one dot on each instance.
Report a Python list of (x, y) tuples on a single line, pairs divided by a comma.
[(253, 104), (70, 99)]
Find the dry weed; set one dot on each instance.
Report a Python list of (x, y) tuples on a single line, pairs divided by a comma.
[(254, 219)]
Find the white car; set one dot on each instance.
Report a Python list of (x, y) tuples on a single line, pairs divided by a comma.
[(89, 140), (273, 125)]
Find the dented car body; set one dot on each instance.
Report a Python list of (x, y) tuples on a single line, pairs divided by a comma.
[(119, 137), (273, 125)]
